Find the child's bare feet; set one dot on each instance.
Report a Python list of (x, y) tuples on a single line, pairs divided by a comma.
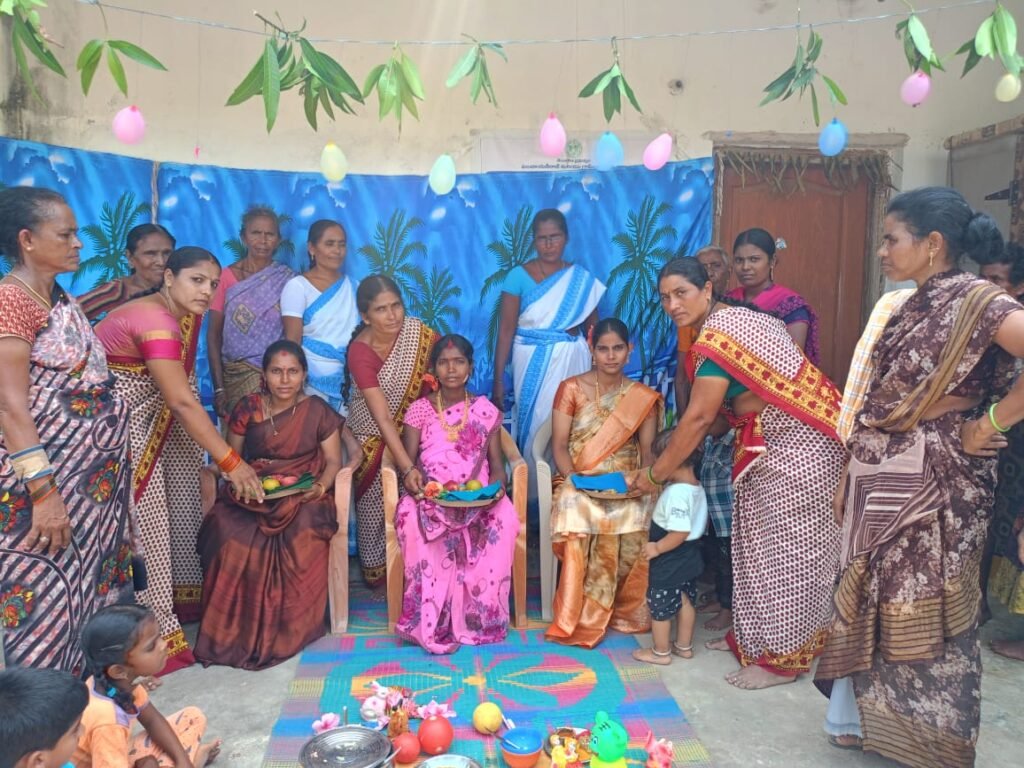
[(652, 656), (207, 753), (683, 651)]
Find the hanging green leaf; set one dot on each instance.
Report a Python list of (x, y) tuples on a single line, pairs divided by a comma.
[(117, 70), (135, 53), (321, 81), (996, 38), (801, 75), (398, 86), (473, 65), (612, 85), (88, 61), (917, 45)]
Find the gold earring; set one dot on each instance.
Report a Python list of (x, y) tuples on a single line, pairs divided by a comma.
[(931, 259)]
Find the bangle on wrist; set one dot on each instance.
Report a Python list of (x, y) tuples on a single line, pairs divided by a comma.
[(992, 419), (650, 476), (230, 461), (218, 390)]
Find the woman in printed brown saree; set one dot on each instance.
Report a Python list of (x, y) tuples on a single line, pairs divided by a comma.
[(747, 368), (601, 422), (65, 504), (257, 556), (151, 346), (387, 360), (919, 491)]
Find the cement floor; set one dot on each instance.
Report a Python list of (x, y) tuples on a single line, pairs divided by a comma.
[(776, 727)]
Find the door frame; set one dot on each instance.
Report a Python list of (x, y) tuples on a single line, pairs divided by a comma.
[(768, 151)]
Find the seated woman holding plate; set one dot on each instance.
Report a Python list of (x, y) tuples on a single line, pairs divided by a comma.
[(602, 422), (265, 563), (458, 559)]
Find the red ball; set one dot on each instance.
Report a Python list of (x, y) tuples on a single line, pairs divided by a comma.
[(407, 747), (436, 735)]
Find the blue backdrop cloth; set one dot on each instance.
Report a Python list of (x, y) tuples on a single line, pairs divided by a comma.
[(449, 253)]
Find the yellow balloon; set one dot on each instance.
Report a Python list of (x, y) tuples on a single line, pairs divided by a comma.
[(1008, 87), (333, 163), (487, 717)]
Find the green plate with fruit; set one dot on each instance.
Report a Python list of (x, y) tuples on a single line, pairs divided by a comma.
[(278, 485)]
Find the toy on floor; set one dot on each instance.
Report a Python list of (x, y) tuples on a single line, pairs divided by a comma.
[(608, 740), (659, 753), (559, 759), (487, 718), (398, 720), (327, 721), (436, 735)]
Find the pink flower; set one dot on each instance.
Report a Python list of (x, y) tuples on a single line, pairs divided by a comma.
[(659, 752), (327, 721), (433, 709)]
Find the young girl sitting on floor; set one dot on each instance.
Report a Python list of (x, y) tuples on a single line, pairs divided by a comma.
[(679, 519), (121, 644)]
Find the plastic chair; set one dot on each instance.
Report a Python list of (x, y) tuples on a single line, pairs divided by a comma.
[(516, 467), (337, 566), (548, 562)]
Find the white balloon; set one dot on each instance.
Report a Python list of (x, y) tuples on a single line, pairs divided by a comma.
[(333, 163), (1008, 87)]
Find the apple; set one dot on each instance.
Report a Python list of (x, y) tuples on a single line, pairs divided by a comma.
[(451, 485), (289, 479)]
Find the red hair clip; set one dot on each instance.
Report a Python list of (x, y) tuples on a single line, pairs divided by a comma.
[(431, 381)]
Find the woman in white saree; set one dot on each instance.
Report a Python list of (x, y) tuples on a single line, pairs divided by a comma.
[(547, 307), (319, 312)]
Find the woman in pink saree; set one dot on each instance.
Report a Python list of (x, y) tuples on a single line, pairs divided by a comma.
[(754, 259), (458, 562)]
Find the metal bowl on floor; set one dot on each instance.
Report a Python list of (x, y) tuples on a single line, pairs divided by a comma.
[(350, 746), (449, 761)]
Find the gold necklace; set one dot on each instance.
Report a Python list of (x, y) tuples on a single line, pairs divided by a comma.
[(270, 412), (597, 387), (46, 302), (453, 430)]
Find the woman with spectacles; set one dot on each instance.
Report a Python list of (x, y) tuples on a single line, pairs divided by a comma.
[(547, 306)]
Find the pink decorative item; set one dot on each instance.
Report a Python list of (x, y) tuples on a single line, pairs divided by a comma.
[(195, 152), (433, 709), (658, 152), (327, 721), (915, 89), (659, 752), (129, 126), (552, 137)]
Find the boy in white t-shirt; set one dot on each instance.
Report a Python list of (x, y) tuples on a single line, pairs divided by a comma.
[(679, 520)]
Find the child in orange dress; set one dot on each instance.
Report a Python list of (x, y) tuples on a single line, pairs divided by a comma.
[(122, 643)]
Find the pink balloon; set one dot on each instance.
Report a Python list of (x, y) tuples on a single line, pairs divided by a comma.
[(658, 152), (129, 127), (552, 137), (915, 89)]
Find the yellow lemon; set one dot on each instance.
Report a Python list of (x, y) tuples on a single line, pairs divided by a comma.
[(270, 484), (487, 717), (474, 485)]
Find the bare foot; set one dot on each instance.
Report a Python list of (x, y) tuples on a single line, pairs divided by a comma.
[(846, 741), (1011, 649), (754, 678), (717, 645), (711, 606), (722, 621), (650, 656), (207, 753), (683, 651)]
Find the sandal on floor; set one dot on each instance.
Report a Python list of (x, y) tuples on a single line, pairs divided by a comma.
[(835, 742), (683, 651)]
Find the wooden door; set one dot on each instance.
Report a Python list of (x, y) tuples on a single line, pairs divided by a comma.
[(826, 232)]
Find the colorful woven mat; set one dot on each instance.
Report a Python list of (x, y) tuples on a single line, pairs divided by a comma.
[(535, 682)]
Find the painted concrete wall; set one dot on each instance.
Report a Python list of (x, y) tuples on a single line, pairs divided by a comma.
[(722, 77)]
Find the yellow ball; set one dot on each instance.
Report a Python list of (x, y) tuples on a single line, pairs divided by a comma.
[(487, 718)]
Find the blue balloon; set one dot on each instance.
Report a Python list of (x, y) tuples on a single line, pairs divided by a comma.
[(608, 152), (832, 139)]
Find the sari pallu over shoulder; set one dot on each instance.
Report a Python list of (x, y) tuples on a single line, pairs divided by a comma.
[(327, 326), (83, 428), (252, 314), (756, 350), (622, 424)]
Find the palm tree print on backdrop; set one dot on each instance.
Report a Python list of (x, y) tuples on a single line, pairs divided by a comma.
[(644, 251), (109, 239), (236, 248), (393, 253), (513, 250), (435, 305)]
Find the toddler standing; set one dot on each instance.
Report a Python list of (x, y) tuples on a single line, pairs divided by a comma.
[(679, 519)]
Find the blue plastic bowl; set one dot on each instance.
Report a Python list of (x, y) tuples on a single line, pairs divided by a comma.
[(522, 741)]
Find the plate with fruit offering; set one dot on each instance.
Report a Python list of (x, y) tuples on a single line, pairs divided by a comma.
[(279, 485), (472, 493), (574, 741), (608, 485)]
